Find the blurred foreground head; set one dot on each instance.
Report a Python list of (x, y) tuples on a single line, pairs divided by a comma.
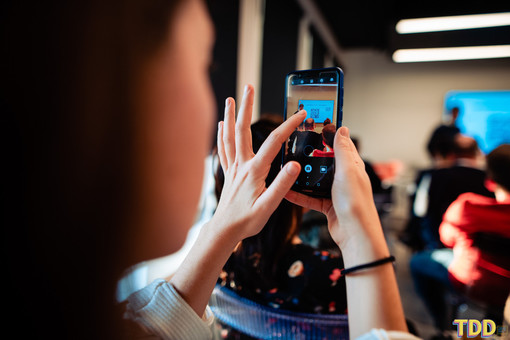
[(101, 173)]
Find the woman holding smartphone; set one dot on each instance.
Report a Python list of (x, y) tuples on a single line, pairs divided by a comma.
[(97, 98)]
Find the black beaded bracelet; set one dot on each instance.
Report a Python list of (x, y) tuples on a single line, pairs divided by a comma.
[(346, 271)]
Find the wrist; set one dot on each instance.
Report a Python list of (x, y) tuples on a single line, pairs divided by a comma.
[(367, 265), (362, 248), (221, 234)]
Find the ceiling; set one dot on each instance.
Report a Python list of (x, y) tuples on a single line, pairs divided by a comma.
[(362, 23)]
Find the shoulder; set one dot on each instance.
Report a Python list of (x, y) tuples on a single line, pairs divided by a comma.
[(465, 202), (470, 201), (474, 209), (470, 198)]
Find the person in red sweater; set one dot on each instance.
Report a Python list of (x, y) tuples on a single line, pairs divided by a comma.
[(485, 278), (463, 266)]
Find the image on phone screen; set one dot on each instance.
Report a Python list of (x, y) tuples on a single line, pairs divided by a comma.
[(319, 93)]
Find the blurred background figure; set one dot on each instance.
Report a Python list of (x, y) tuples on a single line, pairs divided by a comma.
[(440, 148), (446, 184), (454, 114), (476, 264)]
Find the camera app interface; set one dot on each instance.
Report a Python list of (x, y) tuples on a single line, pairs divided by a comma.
[(311, 144)]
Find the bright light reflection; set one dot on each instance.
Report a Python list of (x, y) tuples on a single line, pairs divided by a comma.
[(450, 23), (451, 53)]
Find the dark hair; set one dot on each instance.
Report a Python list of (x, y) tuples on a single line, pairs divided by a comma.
[(328, 134), (498, 166), (309, 122), (266, 248), (70, 72), (441, 141)]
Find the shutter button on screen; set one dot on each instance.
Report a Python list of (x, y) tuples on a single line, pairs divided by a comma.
[(308, 168)]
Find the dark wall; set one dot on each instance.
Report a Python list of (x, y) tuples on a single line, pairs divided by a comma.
[(225, 16), (281, 25)]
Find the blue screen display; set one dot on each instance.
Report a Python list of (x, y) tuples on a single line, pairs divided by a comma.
[(483, 115), (319, 110)]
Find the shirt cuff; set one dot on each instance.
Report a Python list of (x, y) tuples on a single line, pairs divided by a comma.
[(163, 312)]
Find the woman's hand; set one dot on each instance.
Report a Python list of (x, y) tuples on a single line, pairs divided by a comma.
[(352, 216), (372, 294), (246, 204)]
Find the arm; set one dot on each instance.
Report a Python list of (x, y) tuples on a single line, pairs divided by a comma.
[(460, 219), (448, 233), (245, 204), (372, 294)]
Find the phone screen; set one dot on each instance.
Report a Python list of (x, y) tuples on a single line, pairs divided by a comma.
[(320, 93)]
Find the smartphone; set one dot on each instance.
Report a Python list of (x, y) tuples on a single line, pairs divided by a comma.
[(320, 93)]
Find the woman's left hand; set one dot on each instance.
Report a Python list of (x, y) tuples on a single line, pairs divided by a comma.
[(246, 204)]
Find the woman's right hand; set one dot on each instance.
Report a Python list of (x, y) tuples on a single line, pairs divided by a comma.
[(352, 216), (372, 294)]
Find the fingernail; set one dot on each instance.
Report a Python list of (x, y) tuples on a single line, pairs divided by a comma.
[(292, 169), (344, 132), (227, 101)]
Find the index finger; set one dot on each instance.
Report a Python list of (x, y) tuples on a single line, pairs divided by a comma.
[(273, 144), (243, 137)]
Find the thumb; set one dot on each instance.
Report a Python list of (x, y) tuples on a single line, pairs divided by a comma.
[(346, 155), (342, 147), (281, 185)]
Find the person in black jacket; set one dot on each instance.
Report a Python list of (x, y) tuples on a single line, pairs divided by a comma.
[(448, 183)]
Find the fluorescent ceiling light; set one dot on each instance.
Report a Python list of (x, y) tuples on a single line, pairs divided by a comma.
[(450, 23), (451, 53)]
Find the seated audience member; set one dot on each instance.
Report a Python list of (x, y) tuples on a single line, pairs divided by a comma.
[(467, 268), (447, 184), (304, 142), (326, 122), (440, 149), (275, 268), (328, 136)]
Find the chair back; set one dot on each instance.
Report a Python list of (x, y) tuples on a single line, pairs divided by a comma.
[(264, 322), (493, 244), (494, 265)]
